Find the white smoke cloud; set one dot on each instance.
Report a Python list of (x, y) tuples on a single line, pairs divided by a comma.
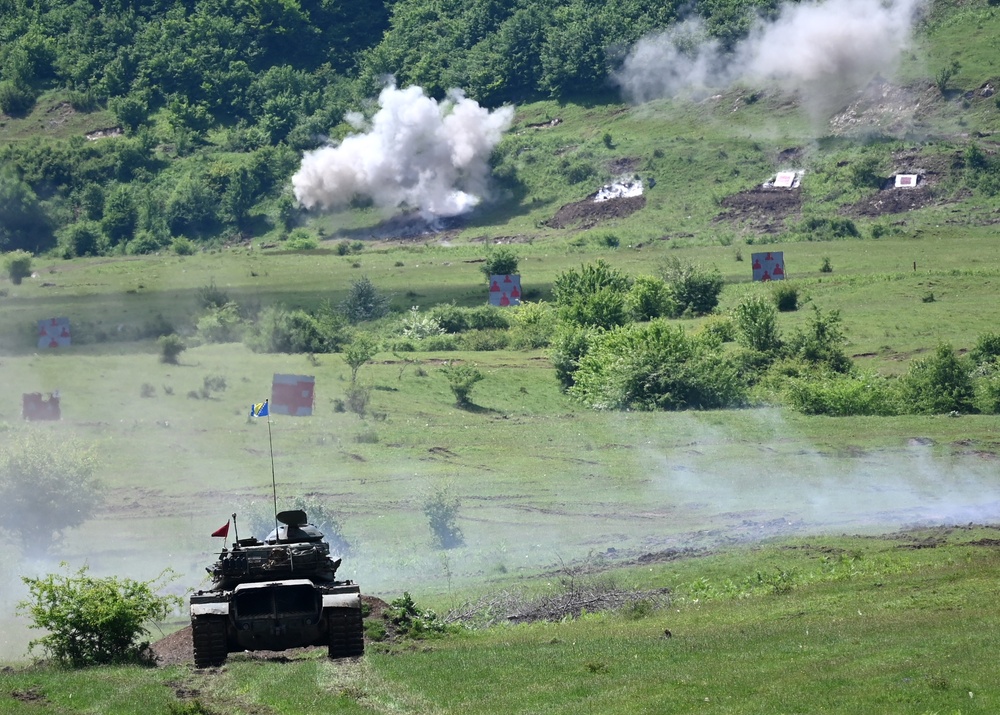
[(416, 152), (827, 51)]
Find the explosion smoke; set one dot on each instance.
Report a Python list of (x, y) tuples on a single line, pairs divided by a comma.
[(416, 152), (828, 51)]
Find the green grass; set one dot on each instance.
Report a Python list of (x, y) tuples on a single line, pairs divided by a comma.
[(866, 625)]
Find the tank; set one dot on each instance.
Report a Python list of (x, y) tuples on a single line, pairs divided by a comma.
[(277, 594)]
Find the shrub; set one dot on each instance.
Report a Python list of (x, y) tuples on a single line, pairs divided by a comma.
[(279, 330), (461, 379), (16, 98), (488, 317), (211, 296), (144, 243), (183, 246), (411, 621), (570, 344), (363, 302), (500, 261), (649, 298), (826, 266), (532, 325), (45, 491), (756, 322), (938, 384), (785, 296), (418, 326), (221, 325), (656, 366), (484, 340), (829, 229), (986, 349), (842, 395), (821, 342), (171, 346), (301, 240), (17, 265), (441, 508), (720, 327), (95, 621), (83, 238), (694, 289), (450, 317)]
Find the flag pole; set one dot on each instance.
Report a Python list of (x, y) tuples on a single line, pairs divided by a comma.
[(274, 488)]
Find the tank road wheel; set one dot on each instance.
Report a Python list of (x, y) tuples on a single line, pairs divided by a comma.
[(209, 636), (347, 632)]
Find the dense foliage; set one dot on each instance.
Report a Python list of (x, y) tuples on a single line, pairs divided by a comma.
[(95, 621)]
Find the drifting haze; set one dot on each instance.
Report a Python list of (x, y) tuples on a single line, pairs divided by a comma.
[(416, 152), (827, 51)]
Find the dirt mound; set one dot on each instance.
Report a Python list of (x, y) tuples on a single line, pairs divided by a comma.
[(177, 648), (890, 200), (588, 213), (761, 209)]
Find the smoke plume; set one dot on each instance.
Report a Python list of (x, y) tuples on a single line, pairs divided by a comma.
[(827, 51), (416, 152)]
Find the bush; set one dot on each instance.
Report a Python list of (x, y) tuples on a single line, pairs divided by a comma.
[(418, 326), (720, 327), (821, 342), (221, 325), (986, 349), (695, 290), (500, 261), (756, 321), (183, 246), (461, 380), (656, 366), (488, 317), (301, 240), (650, 298), (17, 265), (532, 325), (96, 621), (484, 340), (441, 508), (828, 229), (16, 98), (938, 384), (411, 621), (363, 302), (45, 490), (171, 346), (785, 296), (570, 344), (450, 317), (279, 330), (842, 395)]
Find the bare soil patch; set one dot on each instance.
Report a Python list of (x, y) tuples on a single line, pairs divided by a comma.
[(762, 209), (588, 213)]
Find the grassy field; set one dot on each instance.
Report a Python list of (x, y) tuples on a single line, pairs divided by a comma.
[(790, 597)]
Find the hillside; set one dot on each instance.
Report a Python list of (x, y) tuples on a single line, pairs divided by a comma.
[(815, 486)]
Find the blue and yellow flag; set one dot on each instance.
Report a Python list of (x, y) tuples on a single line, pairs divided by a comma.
[(259, 409)]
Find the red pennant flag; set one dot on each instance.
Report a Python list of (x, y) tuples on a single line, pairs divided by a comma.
[(222, 531)]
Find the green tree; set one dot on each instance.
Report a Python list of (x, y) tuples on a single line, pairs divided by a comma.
[(363, 302), (500, 261), (360, 350), (121, 215), (441, 507), (821, 342), (84, 238), (17, 265), (594, 295), (23, 222), (45, 491), (95, 621)]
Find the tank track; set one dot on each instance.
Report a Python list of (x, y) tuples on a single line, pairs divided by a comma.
[(208, 634), (347, 632)]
